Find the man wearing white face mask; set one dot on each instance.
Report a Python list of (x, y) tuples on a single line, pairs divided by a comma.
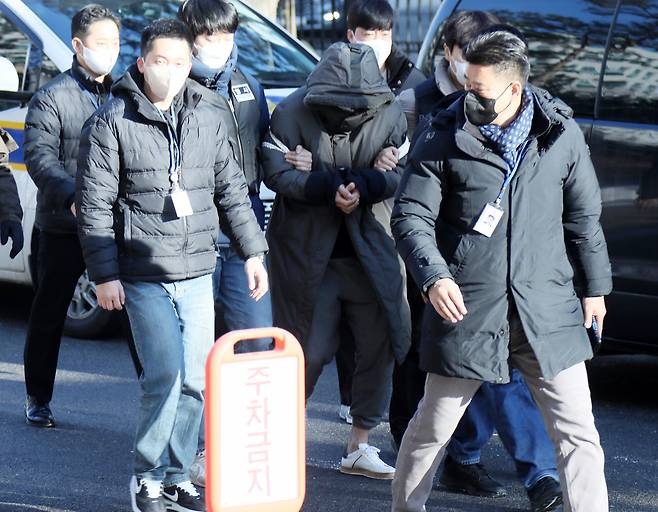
[(450, 72), (213, 24), (52, 131), (156, 170), (370, 22)]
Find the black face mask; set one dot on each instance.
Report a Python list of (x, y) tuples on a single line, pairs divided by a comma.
[(480, 111)]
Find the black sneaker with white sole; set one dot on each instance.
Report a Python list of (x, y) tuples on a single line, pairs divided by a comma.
[(183, 497), (146, 495)]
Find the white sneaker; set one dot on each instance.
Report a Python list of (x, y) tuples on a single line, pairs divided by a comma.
[(344, 414), (366, 462), (198, 470)]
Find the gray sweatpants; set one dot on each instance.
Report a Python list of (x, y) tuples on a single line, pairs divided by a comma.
[(346, 292), (564, 402)]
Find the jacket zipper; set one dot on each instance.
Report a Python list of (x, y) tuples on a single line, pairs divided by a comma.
[(185, 226), (237, 131)]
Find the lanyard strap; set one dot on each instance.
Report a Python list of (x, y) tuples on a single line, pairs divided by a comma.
[(175, 158), (512, 170)]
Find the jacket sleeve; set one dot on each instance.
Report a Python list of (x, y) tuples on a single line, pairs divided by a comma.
[(581, 219), (413, 222), (97, 188), (43, 127), (313, 187), (10, 206), (236, 216), (407, 102), (375, 185)]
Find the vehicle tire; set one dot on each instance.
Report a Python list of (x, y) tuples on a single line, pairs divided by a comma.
[(85, 318)]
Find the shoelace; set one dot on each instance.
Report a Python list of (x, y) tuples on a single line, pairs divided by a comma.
[(189, 488), (153, 487), (372, 449)]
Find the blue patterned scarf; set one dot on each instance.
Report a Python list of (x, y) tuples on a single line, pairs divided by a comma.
[(508, 141)]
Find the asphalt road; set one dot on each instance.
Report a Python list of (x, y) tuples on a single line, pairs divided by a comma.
[(84, 464)]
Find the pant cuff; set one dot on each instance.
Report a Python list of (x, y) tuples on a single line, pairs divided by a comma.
[(175, 479), (366, 424), (464, 461), (542, 474), (149, 476)]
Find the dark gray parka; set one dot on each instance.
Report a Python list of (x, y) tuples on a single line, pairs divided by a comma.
[(305, 222), (127, 224), (552, 211)]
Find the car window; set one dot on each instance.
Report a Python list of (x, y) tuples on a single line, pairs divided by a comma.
[(33, 66), (567, 41), (269, 54), (630, 84)]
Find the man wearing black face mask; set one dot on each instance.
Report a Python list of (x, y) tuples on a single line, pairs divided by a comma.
[(508, 409), (501, 294)]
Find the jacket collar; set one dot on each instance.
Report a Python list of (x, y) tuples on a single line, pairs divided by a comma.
[(398, 67), (131, 87), (216, 79), (442, 78), (547, 124), (82, 76)]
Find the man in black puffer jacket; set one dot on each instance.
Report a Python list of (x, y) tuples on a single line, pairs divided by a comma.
[(52, 132), (155, 169)]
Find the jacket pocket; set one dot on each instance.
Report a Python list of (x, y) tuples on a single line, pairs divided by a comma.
[(460, 256)]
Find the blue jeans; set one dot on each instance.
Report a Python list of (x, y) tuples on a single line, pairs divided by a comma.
[(511, 409), (237, 308), (173, 328)]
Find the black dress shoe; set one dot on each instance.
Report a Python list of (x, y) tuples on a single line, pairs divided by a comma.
[(545, 495), (38, 415), (470, 479)]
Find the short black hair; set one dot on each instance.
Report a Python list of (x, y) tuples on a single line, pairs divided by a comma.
[(502, 48), (209, 16), (87, 16), (370, 15), (165, 28), (461, 27)]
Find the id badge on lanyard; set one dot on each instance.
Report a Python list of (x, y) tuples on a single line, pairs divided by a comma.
[(179, 197), (492, 213)]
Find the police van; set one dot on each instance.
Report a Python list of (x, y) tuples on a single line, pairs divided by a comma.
[(35, 36)]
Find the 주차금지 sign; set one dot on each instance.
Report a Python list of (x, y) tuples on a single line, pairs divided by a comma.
[(255, 425)]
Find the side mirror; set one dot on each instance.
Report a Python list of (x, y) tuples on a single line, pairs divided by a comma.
[(8, 76)]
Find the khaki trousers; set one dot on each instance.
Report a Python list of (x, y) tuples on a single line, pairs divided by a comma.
[(564, 402)]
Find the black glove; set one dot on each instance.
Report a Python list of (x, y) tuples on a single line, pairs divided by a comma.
[(370, 183), (14, 230), (321, 186)]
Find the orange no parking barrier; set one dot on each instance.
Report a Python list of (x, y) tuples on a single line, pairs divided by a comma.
[(255, 429)]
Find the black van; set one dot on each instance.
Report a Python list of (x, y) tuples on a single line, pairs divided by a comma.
[(601, 57)]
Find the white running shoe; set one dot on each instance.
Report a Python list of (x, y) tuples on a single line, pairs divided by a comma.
[(344, 414), (198, 470), (366, 462)]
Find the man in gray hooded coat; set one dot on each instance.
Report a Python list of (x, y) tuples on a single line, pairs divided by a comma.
[(331, 251)]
